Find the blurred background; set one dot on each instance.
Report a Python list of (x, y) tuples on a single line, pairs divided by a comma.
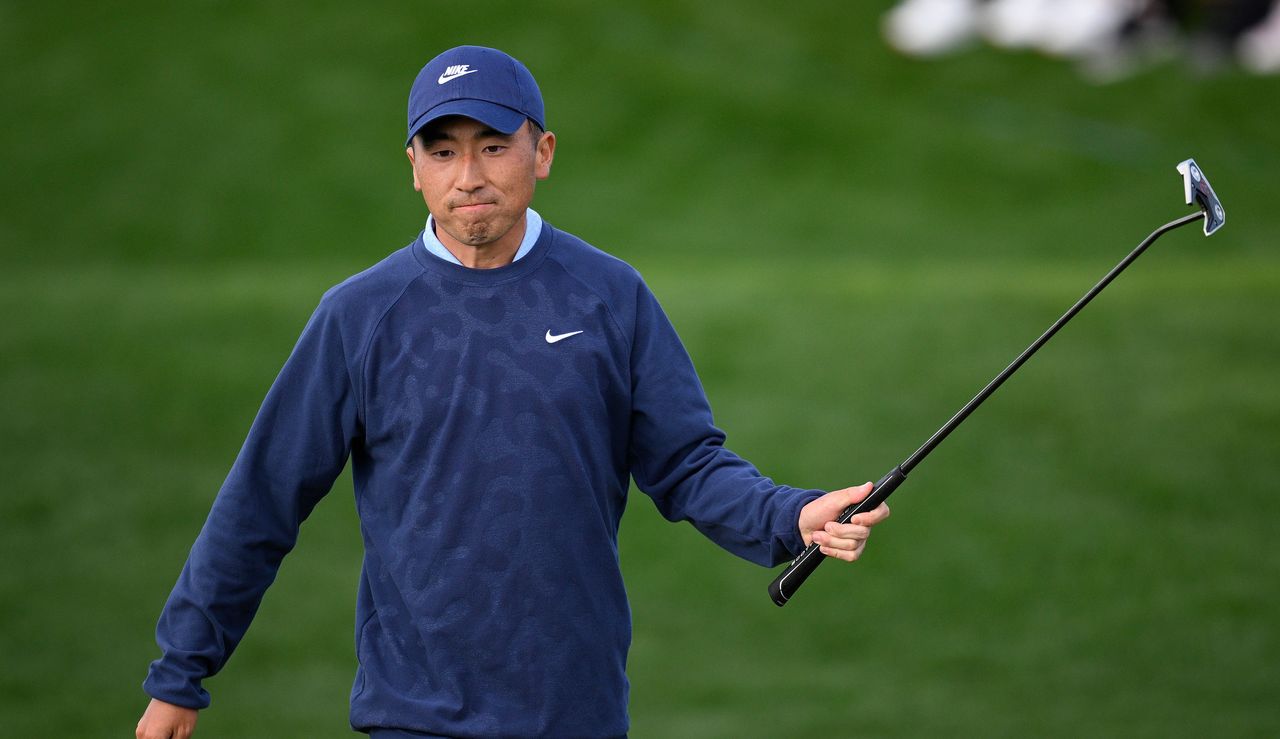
[(851, 241)]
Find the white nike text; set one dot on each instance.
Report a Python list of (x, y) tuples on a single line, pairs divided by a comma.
[(454, 72)]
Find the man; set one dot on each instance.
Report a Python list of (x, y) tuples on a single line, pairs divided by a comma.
[(495, 383)]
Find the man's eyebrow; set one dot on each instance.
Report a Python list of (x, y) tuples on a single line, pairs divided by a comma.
[(432, 136)]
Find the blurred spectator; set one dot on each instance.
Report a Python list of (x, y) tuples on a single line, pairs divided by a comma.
[(1108, 39), (931, 27), (1259, 46)]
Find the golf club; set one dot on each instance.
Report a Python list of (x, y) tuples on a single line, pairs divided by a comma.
[(1197, 191)]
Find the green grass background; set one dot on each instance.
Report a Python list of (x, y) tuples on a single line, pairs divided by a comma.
[(850, 243)]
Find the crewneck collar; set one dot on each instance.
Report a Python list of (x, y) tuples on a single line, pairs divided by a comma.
[(519, 267)]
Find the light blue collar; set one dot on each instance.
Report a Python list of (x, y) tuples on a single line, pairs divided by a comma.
[(532, 230)]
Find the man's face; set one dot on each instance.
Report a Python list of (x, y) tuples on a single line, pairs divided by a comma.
[(477, 182)]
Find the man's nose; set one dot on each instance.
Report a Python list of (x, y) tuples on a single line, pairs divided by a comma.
[(471, 176)]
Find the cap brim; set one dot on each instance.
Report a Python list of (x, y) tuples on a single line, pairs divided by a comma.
[(498, 117)]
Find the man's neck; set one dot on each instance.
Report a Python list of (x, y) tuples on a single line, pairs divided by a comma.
[(497, 253)]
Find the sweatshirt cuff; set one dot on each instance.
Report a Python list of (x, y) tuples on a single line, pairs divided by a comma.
[(167, 684), (787, 542)]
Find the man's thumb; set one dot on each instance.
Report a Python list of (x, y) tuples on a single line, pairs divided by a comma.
[(841, 499), (862, 491)]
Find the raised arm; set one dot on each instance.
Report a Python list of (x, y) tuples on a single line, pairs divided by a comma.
[(679, 459)]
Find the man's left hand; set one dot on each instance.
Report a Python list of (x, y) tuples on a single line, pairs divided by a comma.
[(842, 541)]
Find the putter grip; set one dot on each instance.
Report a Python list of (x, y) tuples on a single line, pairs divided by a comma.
[(785, 586)]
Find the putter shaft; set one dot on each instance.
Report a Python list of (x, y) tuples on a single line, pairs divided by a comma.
[(919, 455), (786, 584)]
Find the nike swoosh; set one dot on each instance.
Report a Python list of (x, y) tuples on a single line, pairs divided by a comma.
[(553, 339), (445, 78)]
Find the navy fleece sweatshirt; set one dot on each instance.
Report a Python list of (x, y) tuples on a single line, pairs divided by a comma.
[(516, 400)]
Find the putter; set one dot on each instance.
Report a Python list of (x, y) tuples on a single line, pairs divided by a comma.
[(1198, 192)]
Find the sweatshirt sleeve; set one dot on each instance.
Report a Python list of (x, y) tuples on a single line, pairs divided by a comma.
[(677, 455), (297, 446)]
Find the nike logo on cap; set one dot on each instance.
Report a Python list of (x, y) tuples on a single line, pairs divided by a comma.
[(454, 72), (551, 339)]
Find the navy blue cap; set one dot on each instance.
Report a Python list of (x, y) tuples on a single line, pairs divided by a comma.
[(480, 83)]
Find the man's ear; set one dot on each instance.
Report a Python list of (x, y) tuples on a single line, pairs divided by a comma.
[(545, 152), (412, 166)]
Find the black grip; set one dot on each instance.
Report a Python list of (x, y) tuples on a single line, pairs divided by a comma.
[(785, 586)]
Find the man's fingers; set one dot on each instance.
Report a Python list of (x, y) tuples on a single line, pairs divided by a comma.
[(817, 524), (872, 517), (847, 541), (847, 530), (166, 721), (846, 555), (181, 731), (855, 537)]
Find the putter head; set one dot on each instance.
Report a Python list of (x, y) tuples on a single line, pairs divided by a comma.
[(1199, 191)]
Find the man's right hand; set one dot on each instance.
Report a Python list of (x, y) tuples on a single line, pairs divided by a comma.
[(166, 721)]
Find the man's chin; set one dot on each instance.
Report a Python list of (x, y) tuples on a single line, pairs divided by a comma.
[(480, 233), (477, 237), (472, 234)]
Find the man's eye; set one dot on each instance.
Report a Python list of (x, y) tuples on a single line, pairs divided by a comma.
[(495, 149), (441, 154)]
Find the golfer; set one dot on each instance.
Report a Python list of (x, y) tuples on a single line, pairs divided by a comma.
[(496, 384)]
